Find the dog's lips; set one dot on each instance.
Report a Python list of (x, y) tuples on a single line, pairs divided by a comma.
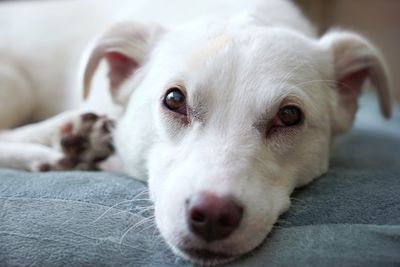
[(207, 257)]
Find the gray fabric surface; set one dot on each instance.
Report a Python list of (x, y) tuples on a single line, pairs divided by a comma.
[(348, 217)]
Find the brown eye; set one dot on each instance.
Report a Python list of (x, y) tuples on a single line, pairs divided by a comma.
[(175, 100), (290, 116)]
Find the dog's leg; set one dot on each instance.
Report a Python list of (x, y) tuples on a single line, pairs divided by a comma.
[(17, 96), (27, 156), (29, 147), (39, 133), (71, 140)]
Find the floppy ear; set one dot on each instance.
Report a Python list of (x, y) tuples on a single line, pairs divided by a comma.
[(356, 60), (125, 47)]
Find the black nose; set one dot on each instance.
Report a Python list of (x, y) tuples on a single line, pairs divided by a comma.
[(211, 217)]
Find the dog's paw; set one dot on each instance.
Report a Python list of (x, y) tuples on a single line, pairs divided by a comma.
[(84, 142)]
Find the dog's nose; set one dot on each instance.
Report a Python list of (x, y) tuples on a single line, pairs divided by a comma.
[(211, 217)]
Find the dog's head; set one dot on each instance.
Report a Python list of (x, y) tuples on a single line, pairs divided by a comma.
[(228, 119)]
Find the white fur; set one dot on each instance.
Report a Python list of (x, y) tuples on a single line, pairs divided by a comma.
[(239, 67)]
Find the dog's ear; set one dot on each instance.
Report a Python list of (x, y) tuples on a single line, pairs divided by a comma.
[(356, 60), (125, 47)]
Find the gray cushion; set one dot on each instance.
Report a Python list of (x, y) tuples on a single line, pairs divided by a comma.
[(348, 217)]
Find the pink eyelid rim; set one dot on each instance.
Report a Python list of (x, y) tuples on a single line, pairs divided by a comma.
[(276, 122)]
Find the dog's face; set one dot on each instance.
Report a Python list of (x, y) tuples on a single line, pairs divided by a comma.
[(228, 121), (237, 118)]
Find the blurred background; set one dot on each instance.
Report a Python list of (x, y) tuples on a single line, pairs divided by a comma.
[(378, 20)]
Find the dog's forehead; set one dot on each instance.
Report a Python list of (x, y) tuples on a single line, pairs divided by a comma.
[(212, 47), (238, 73), (252, 66)]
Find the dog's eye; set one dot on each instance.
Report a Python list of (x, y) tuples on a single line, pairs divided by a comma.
[(289, 116), (175, 100)]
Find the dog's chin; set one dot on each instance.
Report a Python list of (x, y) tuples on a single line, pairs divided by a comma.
[(205, 257), (211, 254)]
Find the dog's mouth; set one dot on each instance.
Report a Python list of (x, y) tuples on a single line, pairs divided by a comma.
[(207, 257)]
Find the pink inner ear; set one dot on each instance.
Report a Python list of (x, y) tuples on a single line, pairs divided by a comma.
[(121, 67), (350, 87)]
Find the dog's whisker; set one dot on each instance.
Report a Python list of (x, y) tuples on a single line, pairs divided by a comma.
[(141, 199), (141, 193), (289, 74), (134, 226), (144, 210), (124, 211), (110, 208), (115, 205), (329, 82), (139, 208), (151, 225), (144, 220)]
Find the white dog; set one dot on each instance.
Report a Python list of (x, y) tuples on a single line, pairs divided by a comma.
[(225, 116)]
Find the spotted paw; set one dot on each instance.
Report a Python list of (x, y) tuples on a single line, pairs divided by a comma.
[(84, 142)]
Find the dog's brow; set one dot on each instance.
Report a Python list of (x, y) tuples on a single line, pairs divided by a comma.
[(209, 50)]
